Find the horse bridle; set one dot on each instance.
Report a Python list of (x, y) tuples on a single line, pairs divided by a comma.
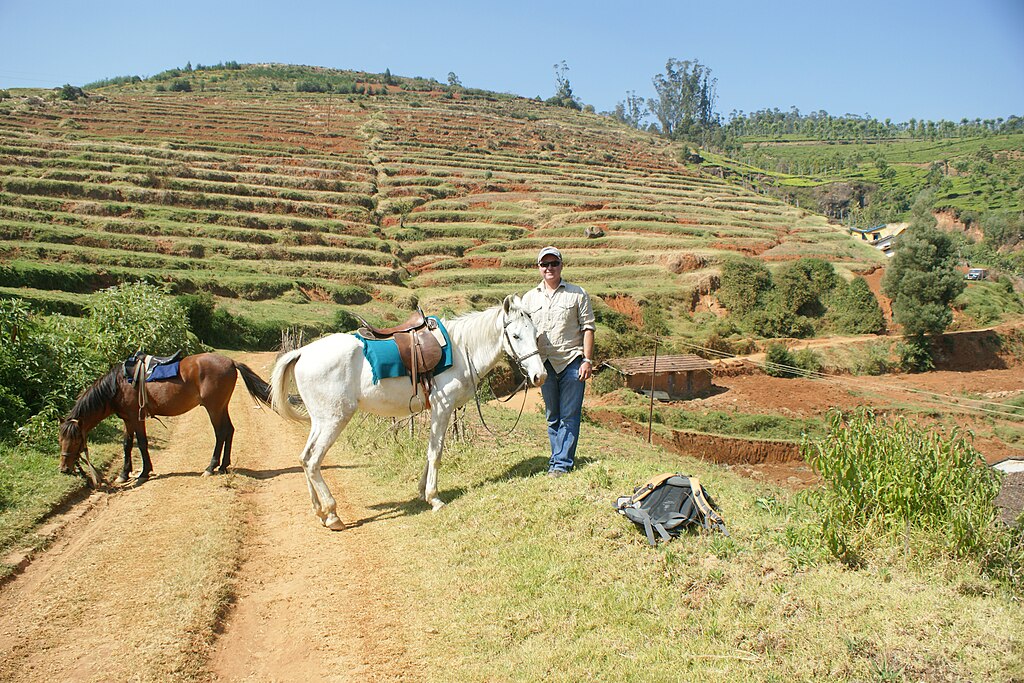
[(511, 350), (83, 456)]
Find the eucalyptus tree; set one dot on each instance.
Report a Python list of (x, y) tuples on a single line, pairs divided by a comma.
[(686, 98)]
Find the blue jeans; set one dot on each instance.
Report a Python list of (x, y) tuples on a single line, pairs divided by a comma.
[(563, 405)]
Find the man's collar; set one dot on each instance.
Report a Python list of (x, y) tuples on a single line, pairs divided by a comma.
[(561, 283)]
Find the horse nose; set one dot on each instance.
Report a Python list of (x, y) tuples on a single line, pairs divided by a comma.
[(540, 378)]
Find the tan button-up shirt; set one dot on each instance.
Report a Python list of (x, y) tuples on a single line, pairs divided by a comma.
[(561, 317)]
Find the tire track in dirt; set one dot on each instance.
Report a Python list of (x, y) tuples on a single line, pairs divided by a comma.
[(221, 578)]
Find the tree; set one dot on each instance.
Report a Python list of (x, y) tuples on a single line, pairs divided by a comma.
[(563, 96), (922, 280), (685, 105), (453, 80), (632, 111), (746, 286), (803, 285), (70, 92)]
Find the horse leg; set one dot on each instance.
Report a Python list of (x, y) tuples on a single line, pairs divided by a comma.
[(428, 482), (322, 435), (228, 435), (147, 464), (128, 442), (224, 432)]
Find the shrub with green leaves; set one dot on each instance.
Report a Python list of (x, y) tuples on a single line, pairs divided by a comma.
[(803, 285), (853, 309), (42, 362), (886, 480), (137, 315), (745, 286), (915, 355), (778, 361)]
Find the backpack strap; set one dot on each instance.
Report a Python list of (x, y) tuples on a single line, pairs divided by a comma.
[(641, 492), (709, 518), (650, 526)]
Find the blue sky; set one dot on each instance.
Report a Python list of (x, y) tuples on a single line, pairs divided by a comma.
[(893, 59)]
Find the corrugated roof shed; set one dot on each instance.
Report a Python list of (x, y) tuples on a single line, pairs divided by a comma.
[(644, 364)]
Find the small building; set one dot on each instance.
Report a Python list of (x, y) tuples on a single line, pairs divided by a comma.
[(881, 237), (675, 377)]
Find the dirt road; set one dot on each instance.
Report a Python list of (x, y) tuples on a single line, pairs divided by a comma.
[(222, 578)]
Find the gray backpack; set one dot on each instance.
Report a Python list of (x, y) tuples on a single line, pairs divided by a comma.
[(669, 503)]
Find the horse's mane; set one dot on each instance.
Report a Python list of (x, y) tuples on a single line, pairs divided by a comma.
[(476, 326), (95, 397)]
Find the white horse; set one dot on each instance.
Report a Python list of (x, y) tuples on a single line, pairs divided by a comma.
[(334, 381)]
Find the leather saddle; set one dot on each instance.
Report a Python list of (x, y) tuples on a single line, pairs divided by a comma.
[(420, 346), (139, 365)]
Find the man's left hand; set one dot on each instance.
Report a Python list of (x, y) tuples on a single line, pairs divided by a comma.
[(586, 371)]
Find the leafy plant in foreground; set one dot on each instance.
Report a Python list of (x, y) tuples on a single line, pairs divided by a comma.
[(884, 478)]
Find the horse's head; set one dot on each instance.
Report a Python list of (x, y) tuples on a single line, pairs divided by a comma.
[(520, 340), (72, 445), (74, 448)]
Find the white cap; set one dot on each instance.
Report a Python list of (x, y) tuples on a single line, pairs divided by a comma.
[(549, 251)]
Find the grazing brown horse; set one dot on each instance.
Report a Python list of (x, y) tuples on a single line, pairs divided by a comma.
[(206, 379)]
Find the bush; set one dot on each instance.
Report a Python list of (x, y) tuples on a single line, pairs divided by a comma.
[(804, 284), (808, 360), (137, 315), (343, 321), (745, 286), (778, 361), (885, 479), (853, 309), (607, 381), (915, 355), (42, 362)]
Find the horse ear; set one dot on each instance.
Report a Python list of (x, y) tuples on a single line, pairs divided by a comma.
[(507, 303)]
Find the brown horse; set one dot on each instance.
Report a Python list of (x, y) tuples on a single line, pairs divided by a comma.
[(206, 379)]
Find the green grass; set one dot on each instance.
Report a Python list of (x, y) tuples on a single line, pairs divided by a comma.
[(527, 578), (987, 303), (743, 425), (31, 488)]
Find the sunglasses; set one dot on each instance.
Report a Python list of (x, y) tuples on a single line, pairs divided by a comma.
[(550, 264)]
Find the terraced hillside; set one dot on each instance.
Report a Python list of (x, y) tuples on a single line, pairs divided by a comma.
[(285, 204)]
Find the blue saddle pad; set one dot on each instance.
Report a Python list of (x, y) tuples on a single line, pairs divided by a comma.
[(161, 372), (382, 355)]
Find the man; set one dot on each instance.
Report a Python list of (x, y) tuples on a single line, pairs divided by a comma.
[(565, 320)]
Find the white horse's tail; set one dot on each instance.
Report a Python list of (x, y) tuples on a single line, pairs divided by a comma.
[(280, 382)]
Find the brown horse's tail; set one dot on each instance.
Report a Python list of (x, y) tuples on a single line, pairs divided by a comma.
[(258, 389)]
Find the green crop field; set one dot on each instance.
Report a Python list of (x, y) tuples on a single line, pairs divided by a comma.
[(276, 201)]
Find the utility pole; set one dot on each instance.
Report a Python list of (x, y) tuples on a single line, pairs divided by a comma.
[(654, 370)]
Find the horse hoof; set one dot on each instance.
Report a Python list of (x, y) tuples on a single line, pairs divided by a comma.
[(139, 481), (436, 504), (206, 473), (121, 479), (334, 523)]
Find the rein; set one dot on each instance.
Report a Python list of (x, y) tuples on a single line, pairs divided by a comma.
[(522, 385), (479, 410)]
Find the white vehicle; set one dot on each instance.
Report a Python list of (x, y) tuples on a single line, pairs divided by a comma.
[(976, 274)]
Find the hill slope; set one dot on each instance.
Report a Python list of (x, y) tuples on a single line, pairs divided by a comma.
[(268, 198)]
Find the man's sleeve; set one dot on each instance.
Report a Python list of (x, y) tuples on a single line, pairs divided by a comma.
[(586, 312)]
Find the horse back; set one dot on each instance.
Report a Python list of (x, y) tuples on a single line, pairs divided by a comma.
[(206, 379)]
